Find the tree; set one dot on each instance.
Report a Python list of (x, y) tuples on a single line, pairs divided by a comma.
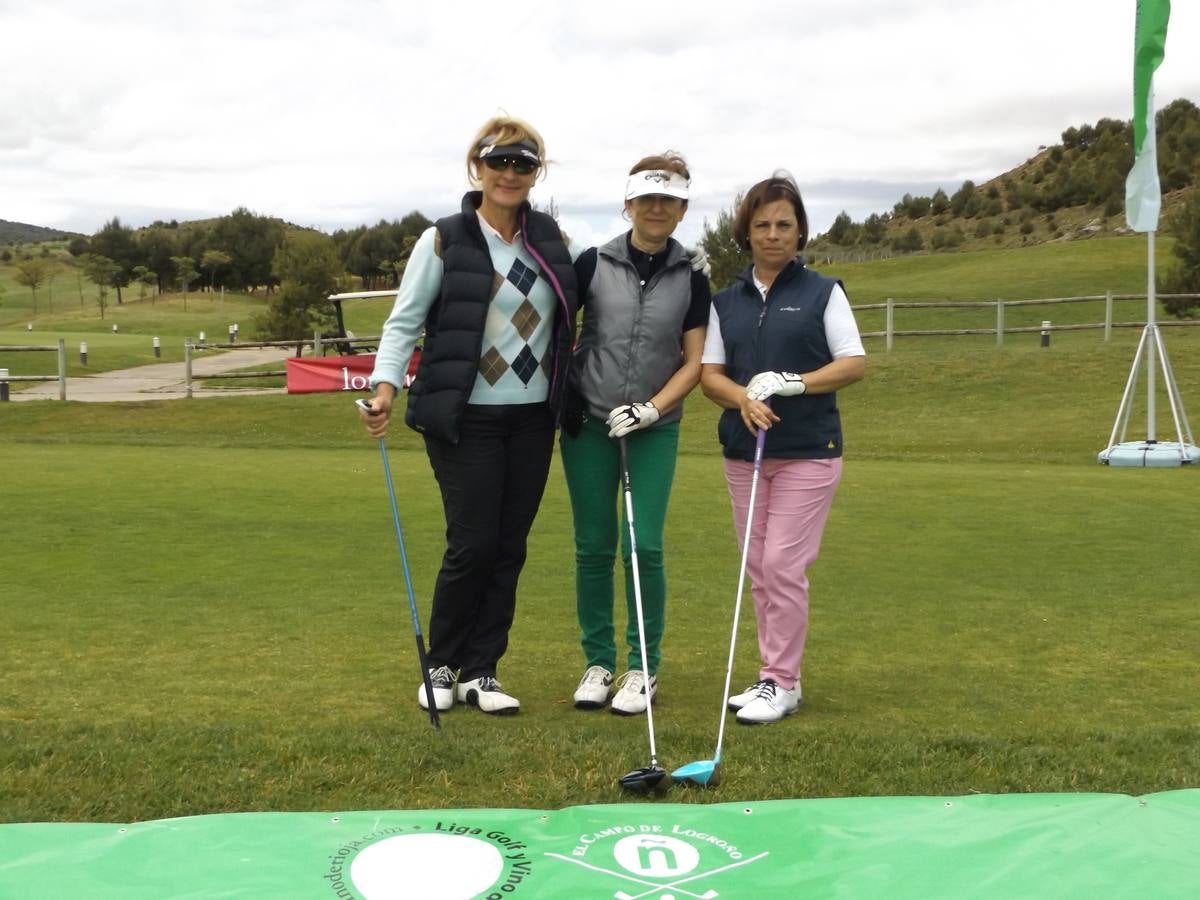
[(213, 261), (874, 228), (910, 242), (185, 274), (724, 255), (1184, 276), (251, 241), (78, 246), (145, 278), (962, 197), (939, 203), (842, 229), (32, 273), (308, 268), (103, 273), (116, 243)]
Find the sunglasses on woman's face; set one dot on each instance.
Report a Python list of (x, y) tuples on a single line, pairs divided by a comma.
[(519, 164)]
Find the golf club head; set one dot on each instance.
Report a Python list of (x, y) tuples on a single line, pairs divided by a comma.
[(646, 780), (703, 772)]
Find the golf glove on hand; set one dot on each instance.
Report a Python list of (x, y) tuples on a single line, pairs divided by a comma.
[(631, 417), (699, 260), (768, 384)]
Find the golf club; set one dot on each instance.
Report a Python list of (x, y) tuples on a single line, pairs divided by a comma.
[(652, 777), (366, 407), (704, 771)]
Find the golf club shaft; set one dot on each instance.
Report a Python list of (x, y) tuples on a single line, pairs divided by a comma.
[(737, 606), (412, 597), (637, 594)]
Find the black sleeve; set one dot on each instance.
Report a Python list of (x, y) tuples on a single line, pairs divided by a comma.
[(697, 314), (585, 268)]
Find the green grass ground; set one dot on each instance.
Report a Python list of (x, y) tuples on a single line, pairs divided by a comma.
[(205, 612)]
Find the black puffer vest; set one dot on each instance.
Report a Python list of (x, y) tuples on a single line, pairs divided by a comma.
[(786, 333), (455, 324)]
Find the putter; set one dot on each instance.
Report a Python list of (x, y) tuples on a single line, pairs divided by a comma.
[(651, 778), (704, 771), (412, 599)]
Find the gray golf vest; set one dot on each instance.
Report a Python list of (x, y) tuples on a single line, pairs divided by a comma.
[(631, 342)]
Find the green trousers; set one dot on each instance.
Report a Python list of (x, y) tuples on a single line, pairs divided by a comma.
[(592, 462)]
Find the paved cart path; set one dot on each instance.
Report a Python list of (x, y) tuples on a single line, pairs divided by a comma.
[(161, 381)]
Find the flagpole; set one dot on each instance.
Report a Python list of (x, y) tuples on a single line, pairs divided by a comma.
[(1151, 329)]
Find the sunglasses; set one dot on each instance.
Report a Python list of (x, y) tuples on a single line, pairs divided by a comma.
[(519, 164)]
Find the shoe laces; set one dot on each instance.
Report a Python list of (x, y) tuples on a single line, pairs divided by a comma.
[(597, 675), (489, 683), (442, 676), (633, 681), (765, 689)]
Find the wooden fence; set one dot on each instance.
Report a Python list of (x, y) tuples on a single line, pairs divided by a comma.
[(890, 332), (61, 377)]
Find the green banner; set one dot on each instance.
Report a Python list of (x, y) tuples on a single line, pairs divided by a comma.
[(1143, 196), (982, 846)]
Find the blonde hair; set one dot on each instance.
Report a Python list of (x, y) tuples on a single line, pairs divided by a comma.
[(502, 130)]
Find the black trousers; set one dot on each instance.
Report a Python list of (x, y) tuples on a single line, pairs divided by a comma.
[(492, 481)]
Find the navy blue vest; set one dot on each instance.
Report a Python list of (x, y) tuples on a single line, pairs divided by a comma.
[(784, 334), (455, 324)]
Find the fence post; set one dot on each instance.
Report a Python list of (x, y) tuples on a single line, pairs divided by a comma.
[(1108, 316), (890, 322), (1045, 333), (62, 368), (999, 323), (3, 385), (187, 365), (318, 350)]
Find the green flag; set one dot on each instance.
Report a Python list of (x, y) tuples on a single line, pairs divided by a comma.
[(1142, 193)]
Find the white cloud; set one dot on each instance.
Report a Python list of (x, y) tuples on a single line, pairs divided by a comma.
[(340, 114)]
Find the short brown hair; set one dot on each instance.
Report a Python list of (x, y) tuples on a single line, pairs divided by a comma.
[(780, 186), (669, 161)]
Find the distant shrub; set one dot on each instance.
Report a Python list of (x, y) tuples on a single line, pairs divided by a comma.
[(1026, 228)]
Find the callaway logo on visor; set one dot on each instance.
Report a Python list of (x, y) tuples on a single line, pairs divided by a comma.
[(657, 181)]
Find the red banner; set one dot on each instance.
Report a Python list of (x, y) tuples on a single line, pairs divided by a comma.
[(336, 373)]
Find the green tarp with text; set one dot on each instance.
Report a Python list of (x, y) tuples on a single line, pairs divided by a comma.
[(983, 846)]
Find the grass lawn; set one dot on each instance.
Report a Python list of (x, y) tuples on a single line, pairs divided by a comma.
[(205, 611)]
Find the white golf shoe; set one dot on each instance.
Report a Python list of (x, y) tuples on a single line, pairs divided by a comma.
[(442, 680), (595, 687), (631, 698), (770, 704), (486, 693)]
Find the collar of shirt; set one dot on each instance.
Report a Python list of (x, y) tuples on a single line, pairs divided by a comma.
[(645, 263), (487, 226), (762, 288)]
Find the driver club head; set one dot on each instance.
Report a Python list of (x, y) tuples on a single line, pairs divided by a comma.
[(704, 772), (646, 780)]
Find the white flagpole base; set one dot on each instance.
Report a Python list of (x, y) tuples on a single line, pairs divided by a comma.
[(1150, 454)]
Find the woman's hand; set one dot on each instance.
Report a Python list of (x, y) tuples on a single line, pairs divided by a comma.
[(376, 422), (756, 414)]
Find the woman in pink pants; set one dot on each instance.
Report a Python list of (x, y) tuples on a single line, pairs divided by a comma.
[(781, 341)]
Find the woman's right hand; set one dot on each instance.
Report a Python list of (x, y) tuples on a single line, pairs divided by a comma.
[(377, 423)]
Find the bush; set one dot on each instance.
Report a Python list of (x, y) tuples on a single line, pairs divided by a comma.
[(1026, 228)]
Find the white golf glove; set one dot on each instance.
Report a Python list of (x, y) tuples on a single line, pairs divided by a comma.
[(631, 417), (768, 384), (699, 260)]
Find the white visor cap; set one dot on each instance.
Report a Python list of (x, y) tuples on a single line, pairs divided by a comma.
[(656, 181)]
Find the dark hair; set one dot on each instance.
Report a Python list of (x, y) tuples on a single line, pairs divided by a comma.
[(780, 186), (669, 161)]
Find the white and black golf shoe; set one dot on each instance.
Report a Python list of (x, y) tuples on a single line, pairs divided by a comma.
[(442, 680), (486, 693), (631, 698), (595, 687)]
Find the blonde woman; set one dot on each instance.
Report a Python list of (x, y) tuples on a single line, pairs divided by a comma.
[(493, 290)]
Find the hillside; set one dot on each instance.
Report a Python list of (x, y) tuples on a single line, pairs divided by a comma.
[(21, 233), (1071, 190)]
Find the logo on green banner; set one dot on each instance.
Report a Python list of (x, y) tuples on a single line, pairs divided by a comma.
[(450, 861), (654, 860)]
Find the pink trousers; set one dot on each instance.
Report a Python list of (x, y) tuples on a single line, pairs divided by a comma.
[(790, 509)]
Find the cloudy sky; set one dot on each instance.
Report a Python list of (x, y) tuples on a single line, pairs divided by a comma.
[(334, 114)]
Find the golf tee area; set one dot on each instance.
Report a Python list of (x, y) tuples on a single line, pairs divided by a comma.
[(209, 682)]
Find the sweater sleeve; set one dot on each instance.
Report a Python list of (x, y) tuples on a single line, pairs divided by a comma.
[(419, 288)]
